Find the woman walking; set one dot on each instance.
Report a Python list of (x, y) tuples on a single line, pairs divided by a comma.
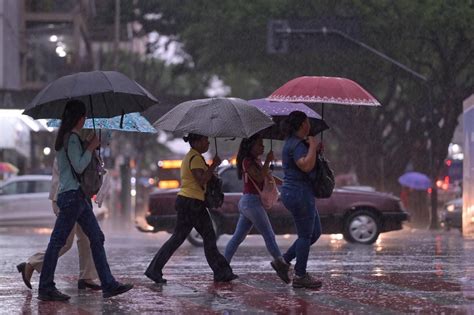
[(251, 211), (74, 207), (299, 158), (192, 213), (86, 263)]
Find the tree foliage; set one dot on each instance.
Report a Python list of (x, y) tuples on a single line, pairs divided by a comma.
[(434, 38)]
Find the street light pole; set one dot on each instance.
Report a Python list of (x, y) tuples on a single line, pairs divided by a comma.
[(286, 30)]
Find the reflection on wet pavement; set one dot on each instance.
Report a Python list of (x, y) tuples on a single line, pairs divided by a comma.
[(404, 272)]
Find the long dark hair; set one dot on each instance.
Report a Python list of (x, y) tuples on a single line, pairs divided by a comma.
[(73, 112), (192, 138), (293, 123), (244, 152)]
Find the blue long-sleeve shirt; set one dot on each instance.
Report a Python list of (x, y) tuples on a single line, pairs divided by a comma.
[(79, 158)]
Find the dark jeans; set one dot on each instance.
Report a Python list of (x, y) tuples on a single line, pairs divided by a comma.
[(300, 202), (191, 213), (75, 207)]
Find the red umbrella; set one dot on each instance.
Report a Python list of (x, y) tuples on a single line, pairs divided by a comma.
[(333, 90), (6, 167), (312, 89)]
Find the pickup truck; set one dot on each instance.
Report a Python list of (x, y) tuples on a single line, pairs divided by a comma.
[(359, 215)]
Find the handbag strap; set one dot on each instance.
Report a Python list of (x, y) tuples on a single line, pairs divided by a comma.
[(65, 145), (246, 174)]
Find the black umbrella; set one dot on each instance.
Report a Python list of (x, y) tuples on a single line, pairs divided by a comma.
[(105, 93)]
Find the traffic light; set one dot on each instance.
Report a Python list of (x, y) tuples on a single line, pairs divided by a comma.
[(277, 36)]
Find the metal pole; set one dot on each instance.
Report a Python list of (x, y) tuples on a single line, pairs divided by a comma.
[(325, 30), (434, 224), (322, 117), (117, 33)]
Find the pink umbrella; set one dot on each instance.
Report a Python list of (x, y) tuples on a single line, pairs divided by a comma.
[(333, 90), (312, 89), (6, 167)]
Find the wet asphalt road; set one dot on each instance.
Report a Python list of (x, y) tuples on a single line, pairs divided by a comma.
[(416, 272)]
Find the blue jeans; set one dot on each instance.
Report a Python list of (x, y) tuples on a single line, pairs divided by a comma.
[(252, 213), (75, 207), (300, 202)]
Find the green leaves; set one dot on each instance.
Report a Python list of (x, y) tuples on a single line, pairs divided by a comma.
[(432, 37)]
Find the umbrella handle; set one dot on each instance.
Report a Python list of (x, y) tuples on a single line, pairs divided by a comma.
[(272, 166), (121, 119), (322, 116), (92, 111), (215, 143), (93, 121)]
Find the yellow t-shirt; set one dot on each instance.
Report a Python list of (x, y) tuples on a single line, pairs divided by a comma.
[(189, 186)]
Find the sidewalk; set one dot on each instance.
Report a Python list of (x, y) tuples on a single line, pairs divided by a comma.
[(405, 272)]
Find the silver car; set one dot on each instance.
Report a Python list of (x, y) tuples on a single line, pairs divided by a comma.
[(24, 201)]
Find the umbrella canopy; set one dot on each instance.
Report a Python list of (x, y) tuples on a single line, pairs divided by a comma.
[(415, 180), (6, 167), (280, 110), (215, 117), (105, 93), (133, 122), (313, 89)]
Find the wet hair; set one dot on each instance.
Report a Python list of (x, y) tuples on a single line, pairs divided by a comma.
[(245, 149), (73, 112), (293, 123), (192, 138)]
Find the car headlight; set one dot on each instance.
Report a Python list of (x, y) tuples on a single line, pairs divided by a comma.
[(451, 208)]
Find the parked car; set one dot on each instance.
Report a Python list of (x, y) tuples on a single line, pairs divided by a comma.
[(24, 201), (358, 214), (451, 214)]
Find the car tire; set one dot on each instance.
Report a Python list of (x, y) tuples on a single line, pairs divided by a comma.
[(362, 226), (195, 238)]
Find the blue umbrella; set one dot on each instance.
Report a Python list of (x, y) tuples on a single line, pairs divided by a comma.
[(133, 122), (415, 180)]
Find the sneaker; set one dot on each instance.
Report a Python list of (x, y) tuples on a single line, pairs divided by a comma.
[(282, 269), (158, 279), (121, 288), (307, 282), (227, 278), (52, 295), (83, 284)]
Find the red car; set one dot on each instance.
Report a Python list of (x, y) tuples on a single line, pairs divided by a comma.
[(359, 215)]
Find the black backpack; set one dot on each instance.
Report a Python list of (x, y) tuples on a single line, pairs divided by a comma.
[(214, 197), (321, 177), (92, 176)]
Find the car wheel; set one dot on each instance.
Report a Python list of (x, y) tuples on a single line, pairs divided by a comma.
[(362, 226), (196, 239)]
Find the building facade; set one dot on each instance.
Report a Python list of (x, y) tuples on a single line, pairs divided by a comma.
[(40, 41)]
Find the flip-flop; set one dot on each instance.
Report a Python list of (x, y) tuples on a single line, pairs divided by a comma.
[(21, 269)]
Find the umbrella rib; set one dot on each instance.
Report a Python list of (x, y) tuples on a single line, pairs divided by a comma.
[(73, 87), (240, 118), (106, 106), (213, 100), (110, 83)]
